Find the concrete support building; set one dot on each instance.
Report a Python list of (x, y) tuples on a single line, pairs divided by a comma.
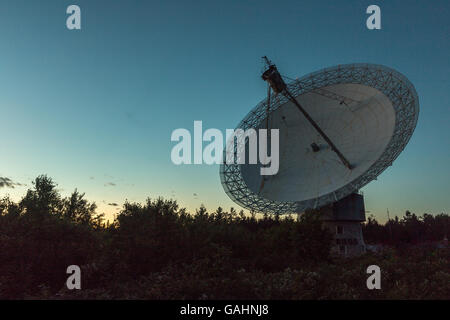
[(343, 218)]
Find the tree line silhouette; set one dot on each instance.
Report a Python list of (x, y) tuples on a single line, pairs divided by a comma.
[(411, 229), (158, 250)]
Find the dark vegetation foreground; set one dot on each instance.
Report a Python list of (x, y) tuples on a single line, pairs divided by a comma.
[(158, 251)]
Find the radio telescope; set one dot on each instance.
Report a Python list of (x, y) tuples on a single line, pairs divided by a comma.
[(339, 128)]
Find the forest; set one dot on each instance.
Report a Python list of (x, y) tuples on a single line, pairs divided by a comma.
[(157, 250)]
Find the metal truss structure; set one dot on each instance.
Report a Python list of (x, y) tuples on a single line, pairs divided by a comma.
[(396, 87)]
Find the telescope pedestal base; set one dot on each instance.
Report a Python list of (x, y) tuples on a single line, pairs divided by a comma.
[(343, 218)]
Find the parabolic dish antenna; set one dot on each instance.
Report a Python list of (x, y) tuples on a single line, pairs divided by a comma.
[(366, 114)]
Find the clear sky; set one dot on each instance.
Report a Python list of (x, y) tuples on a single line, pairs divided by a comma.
[(94, 108)]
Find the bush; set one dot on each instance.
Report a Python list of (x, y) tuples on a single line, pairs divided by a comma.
[(157, 250)]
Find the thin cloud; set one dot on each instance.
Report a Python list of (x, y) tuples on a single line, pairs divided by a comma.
[(8, 183), (110, 184)]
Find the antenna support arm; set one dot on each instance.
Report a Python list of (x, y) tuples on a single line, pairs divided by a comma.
[(276, 82)]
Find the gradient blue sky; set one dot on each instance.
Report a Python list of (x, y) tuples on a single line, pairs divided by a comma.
[(95, 108)]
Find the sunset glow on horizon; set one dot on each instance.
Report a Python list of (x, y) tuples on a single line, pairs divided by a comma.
[(94, 108)]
